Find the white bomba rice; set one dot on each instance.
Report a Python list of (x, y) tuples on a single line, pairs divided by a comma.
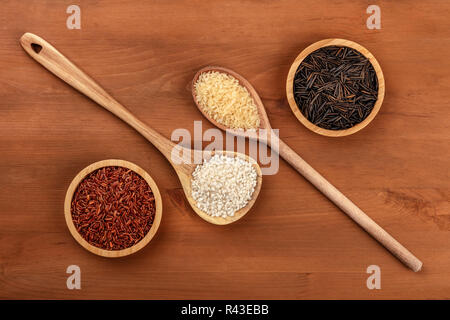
[(222, 185)]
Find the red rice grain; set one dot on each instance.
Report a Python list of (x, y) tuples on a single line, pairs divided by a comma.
[(113, 208)]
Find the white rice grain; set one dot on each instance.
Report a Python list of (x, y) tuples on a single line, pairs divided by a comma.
[(222, 185)]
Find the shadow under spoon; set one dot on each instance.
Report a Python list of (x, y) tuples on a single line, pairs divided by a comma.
[(44, 53), (314, 177)]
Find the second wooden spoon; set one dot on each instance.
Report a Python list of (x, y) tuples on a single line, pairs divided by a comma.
[(309, 173)]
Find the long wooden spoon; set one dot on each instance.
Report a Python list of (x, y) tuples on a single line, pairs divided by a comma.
[(309, 173), (55, 62)]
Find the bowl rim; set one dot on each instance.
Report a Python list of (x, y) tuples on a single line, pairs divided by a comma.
[(68, 202), (290, 86)]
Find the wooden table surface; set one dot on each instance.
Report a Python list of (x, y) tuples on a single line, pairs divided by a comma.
[(294, 244)]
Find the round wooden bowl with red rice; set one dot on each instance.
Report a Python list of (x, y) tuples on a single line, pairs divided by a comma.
[(113, 208)]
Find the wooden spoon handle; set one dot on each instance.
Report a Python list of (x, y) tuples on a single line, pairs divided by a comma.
[(403, 254), (44, 53)]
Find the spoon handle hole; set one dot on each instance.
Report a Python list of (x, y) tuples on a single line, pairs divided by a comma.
[(36, 47)]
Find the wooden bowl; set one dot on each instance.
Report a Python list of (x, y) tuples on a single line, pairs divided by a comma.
[(68, 215), (290, 87)]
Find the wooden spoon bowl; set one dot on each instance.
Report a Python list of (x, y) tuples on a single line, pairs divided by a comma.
[(290, 87), (68, 204), (185, 176), (263, 119)]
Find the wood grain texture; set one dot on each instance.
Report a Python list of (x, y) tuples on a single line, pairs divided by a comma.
[(294, 243)]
